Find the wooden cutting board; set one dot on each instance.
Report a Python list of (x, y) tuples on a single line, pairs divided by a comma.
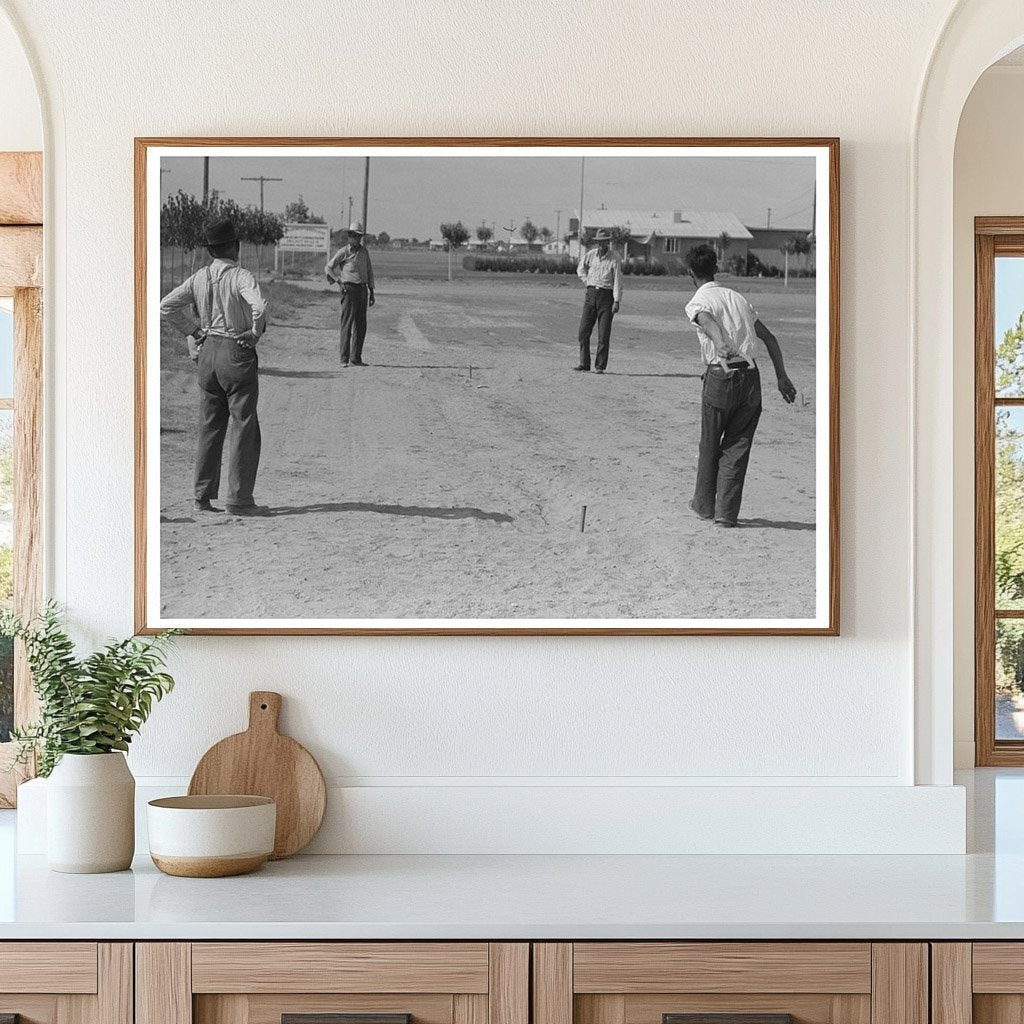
[(262, 762)]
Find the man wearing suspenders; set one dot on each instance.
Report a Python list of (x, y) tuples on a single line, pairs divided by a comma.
[(222, 311)]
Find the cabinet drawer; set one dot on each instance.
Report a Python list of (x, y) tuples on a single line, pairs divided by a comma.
[(730, 983), (66, 982), (332, 983), (64, 967), (635, 967), (340, 967)]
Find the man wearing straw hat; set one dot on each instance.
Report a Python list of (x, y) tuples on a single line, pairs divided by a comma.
[(350, 267), (221, 310), (599, 269)]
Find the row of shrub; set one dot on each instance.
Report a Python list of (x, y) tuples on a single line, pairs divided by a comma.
[(527, 264)]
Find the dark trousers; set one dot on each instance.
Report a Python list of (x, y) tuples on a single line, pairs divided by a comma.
[(730, 409), (228, 392), (597, 309), (353, 321)]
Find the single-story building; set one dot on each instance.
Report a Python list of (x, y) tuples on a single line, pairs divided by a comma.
[(667, 235), (765, 245)]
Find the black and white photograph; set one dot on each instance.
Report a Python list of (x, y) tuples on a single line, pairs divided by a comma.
[(481, 387)]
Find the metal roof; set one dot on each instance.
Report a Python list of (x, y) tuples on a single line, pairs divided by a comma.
[(669, 223)]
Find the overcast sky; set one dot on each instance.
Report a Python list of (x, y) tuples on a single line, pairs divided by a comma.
[(411, 196)]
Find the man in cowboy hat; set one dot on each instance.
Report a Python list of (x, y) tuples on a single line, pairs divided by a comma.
[(351, 268), (600, 271), (221, 310)]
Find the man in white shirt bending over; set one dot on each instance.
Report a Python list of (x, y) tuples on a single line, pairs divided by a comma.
[(727, 326)]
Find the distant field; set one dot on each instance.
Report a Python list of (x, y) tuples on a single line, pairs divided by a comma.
[(424, 265)]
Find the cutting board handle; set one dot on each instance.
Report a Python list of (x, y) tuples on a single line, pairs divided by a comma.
[(264, 710)]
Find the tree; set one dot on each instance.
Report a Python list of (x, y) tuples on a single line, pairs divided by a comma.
[(529, 231), (546, 234), (788, 248), (298, 213), (454, 235), (484, 233), (383, 239), (620, 237), (723, 246)]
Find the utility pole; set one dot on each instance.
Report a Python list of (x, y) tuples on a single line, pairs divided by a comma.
[(206, 179), (262, 179), (349, 221), (768, 222), (558, 227), (366, 193), (509, 228), (583, 165)]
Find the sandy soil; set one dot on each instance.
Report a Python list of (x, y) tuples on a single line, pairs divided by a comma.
[(447, 478)]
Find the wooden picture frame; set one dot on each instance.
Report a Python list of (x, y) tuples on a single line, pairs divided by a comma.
[(150, 614)]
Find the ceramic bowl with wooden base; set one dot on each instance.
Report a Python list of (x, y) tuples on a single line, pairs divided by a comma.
[(211, 836)]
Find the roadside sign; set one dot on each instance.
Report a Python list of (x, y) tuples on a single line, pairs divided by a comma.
[(306, 238)]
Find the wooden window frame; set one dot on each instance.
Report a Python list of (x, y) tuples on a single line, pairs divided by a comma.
[(21, 273)]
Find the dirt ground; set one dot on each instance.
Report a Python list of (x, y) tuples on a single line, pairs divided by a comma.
[(447, 478)]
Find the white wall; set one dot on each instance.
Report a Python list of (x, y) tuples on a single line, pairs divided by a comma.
[(987, 181), (692, 711), (21, 126)]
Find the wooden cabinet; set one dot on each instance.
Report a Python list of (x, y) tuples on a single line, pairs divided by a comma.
[(978, 983), (264, 982), (753, 982), (66, 982)]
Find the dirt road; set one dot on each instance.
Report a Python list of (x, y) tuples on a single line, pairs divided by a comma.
[(447, 478)]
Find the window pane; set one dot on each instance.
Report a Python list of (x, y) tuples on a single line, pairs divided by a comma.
[(6, 353), (1009, 319), (6, 567), (1009, 679), (1009, 574)]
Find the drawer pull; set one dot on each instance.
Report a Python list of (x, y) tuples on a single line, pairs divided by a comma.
[(340, 1018), (727, 1018)]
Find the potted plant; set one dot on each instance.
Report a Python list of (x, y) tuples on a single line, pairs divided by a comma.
[(89, 710)]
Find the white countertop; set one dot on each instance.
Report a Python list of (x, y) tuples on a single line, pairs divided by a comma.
[(516, 897), (977, 896)]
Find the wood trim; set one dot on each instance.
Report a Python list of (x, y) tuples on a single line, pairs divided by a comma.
[(830, 143), (21, 259), (466, 1009), (163, 983), (115, 983), (984, 501), (998, 967), (951, 983), (552, 983), (21, 188), (999, 226), (219, 967), (28, 481), (508, 989), (605, 1009), (69, 968), (899, 983), (141, 356), (635, 967)]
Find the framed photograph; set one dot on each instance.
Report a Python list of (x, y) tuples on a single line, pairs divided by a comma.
[(487, 386)]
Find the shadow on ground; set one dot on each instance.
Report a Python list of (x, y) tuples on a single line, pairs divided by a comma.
[(775, 524), (422, 511)]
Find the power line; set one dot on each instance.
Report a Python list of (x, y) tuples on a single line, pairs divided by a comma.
[(262, 179)]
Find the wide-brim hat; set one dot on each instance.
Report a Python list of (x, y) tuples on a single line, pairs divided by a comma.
[(602, 236), (221, 232), (356, 228)]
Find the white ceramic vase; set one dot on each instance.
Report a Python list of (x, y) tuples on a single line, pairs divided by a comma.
[(90, 814)]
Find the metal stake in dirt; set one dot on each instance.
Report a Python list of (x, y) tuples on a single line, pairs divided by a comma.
[(583, 519)]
